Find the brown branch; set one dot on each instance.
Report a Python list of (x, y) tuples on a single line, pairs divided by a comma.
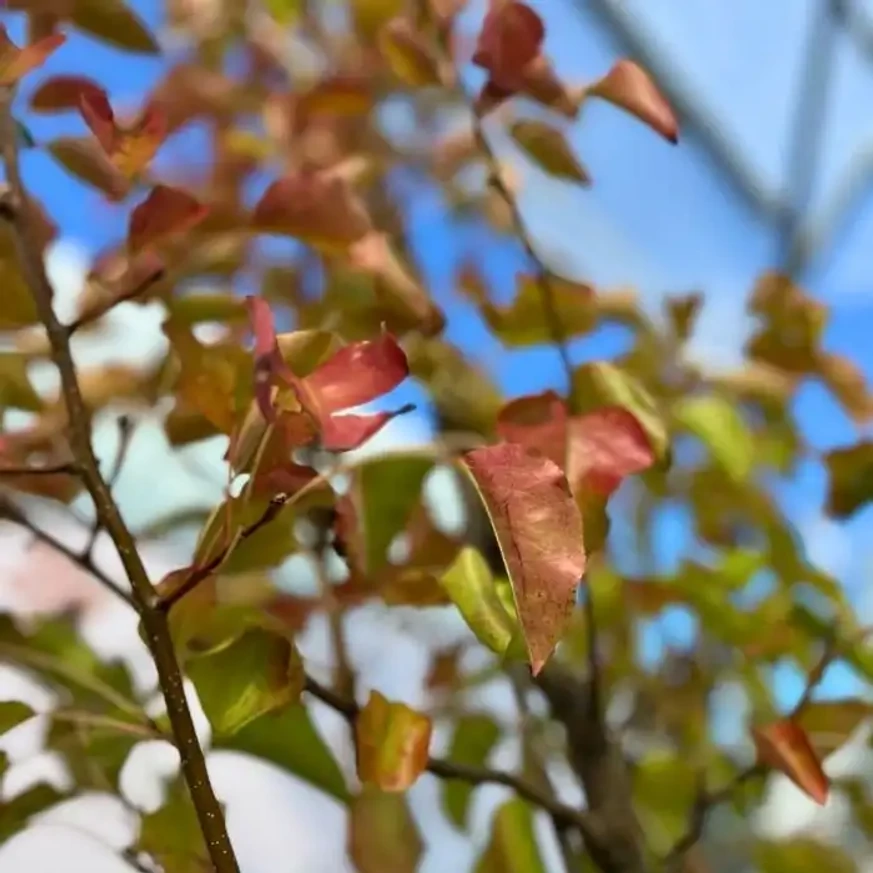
[(19, 214), (445, 769), (69, 469)]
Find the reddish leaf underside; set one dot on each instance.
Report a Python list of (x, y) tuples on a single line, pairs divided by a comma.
[(539, 529), (165, 212), (392, 744), (16, 62), (61, 93), (785, 746), (628, 86)]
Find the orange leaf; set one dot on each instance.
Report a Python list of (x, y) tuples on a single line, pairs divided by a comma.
[(785, 746), (132, 147), (392, 744), (16, 62), (165, 212), (539, 530), (628, 86)]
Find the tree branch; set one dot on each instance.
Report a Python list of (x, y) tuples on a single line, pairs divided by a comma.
[(19, 214), (445, 769), (109, 304)]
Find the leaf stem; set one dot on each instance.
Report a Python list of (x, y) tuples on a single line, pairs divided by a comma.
[(18, 212)]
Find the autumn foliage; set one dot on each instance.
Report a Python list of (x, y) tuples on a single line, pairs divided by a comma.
[(340, 321)]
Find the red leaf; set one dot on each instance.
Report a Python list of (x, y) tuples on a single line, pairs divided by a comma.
[(358, 373), (539, 529), (628, 86), (269, 365), (597, 450), (165, 212), (316, 207), (606, 446), (287, 478), (785, 746), (132, 147), (61, 93), (343, 433), (511, 37), (16, 62)]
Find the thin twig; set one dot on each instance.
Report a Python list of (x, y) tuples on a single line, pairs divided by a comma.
[(19, 214), (109, 304), (125, 434), (445, 769), (10, 512)]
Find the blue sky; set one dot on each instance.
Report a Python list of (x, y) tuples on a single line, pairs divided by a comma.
[(659, 218)]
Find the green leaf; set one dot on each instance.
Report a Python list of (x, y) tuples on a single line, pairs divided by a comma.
[(383, 511), (601, 383), (830, 723), (12, 714), (172, 835), (525, 321), (547, 147), (513, 845), (801, 855), (383, 835), (719, 424), (289, 740), (15, 387), (664, 785), (206, 307), (16, 812), (286, 12), (850, 473), (255, 674), (114, 22), (474, 737), (472, 588)]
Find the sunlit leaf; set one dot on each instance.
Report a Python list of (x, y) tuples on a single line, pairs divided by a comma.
[(383, 834), (511, 37), (719, 424), (15, 387), (473, 590), (512, 847), (830, 723), (785, 746), (254, 675), (392, 743), (539, 529), (548, 148), (474, 736), (628, 86)]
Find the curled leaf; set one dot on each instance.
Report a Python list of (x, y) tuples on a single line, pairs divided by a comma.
[(539, 529), (785, 746), (392, 743), (628, 86)]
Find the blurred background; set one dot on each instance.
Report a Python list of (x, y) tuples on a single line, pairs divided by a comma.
[(774, 170)]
